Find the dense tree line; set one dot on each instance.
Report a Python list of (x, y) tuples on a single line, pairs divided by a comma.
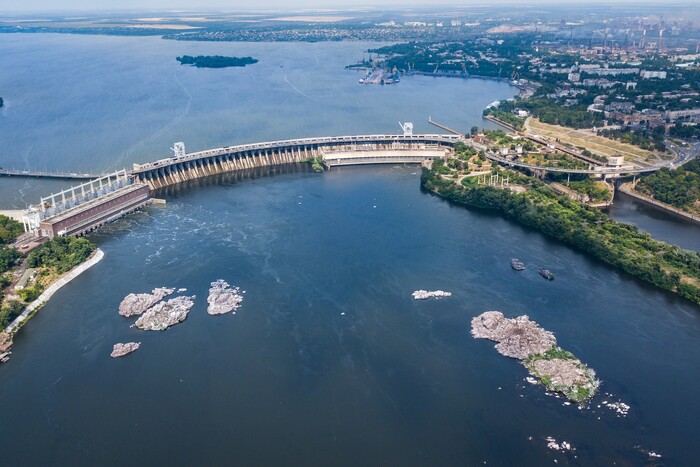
[(549, 111), (679, 187), (685, 131), (9, 311), (618, 244), (61, 253), (10, 229), (553, 113), (508, 117), (8, 258)]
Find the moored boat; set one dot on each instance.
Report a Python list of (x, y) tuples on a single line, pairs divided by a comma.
[(547, 274), (516, 264)]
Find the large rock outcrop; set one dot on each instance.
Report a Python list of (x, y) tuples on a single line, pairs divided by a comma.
[(223, 298), (525, 340), (517, 337), (165, 314), (135, 304)]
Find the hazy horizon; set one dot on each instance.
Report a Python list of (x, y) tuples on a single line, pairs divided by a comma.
[(48, 6)]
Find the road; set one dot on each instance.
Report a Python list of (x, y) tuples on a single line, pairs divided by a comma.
[(684, 155)]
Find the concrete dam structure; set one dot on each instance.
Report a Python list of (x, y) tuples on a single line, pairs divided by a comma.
[(85, 207), (334, 150), (81, 209)]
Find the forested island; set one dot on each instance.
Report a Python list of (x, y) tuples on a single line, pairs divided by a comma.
[(215, 61), (536, 205), (1, 102)]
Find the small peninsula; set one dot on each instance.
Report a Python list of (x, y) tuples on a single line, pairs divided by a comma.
[(215, 61)]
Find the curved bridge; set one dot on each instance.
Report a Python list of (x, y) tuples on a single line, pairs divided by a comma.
[(335, 150), (603, 170)]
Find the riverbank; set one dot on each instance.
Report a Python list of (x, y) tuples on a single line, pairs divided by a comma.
[(629, 190), (46, 295), (589, 230)]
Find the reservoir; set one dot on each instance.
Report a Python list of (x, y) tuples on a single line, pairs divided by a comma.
[(329, 361)]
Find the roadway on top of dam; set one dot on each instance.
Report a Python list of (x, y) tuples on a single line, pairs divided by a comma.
[(330, 141), (326, 141)]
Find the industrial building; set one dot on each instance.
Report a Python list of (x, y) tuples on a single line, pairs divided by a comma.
[(82, 208)]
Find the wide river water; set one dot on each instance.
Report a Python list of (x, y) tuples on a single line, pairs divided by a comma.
[(329, 361)]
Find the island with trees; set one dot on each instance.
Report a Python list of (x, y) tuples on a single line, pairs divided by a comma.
[(1, 102), (215, 61)]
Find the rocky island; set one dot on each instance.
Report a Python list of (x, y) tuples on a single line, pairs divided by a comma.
[(523, 339), (223, 298), (215, 61), (165, 314), (135, 304), (119, 350)]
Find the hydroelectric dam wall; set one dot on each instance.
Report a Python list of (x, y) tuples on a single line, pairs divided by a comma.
[(335, 150)]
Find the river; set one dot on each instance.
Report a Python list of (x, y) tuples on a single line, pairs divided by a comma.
[(329, 361)]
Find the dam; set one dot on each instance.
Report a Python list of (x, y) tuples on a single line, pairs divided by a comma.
[(334, 150), (83, 208)]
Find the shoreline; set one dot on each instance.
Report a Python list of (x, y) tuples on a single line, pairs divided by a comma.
[(46, 295), (675, 285), (628, 190)]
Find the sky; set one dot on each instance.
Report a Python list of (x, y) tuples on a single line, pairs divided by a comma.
[(116, 5)]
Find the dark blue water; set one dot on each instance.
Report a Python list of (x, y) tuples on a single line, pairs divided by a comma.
[(291, 380)]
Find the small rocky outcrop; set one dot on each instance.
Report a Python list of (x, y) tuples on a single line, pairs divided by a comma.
[(563, 446), (426, 294), (119, 350), (5, 341), (223, 298), (525, 340), (135, 304), (165, 314)]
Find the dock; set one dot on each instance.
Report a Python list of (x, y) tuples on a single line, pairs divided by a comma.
[(443, 127)]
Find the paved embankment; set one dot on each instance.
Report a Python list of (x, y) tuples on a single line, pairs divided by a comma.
[(52, 289), (628, 190)]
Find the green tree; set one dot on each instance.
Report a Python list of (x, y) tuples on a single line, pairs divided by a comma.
[(62, 253), (9, 229), (8, 257)]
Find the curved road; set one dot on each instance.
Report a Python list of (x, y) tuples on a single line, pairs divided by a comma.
[(683, 157)]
